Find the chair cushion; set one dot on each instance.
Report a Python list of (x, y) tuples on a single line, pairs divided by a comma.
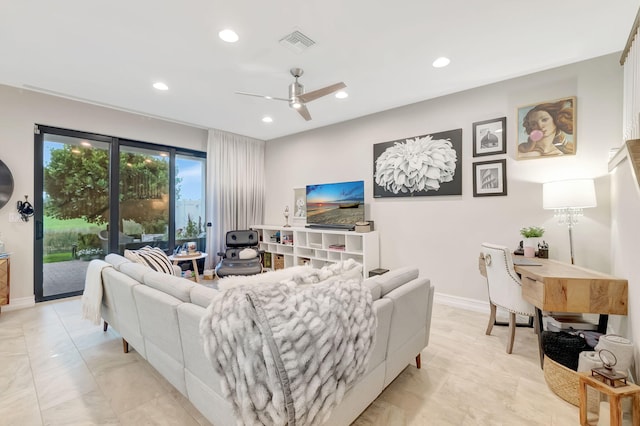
[(152, 257), (247, 253)]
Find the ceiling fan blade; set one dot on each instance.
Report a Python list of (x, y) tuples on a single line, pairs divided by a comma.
[(304, 112), (310, 96), (262, 96)]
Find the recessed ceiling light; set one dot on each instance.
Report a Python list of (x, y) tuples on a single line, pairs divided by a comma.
[(160, 86), (267, 119), (342, 94), (441, 62), (228, 35)]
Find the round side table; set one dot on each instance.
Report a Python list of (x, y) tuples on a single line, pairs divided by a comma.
[(193, 258)]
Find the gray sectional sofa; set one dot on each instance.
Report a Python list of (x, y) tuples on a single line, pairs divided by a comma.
[(159, 315)]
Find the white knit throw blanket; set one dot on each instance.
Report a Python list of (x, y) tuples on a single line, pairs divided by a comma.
[(288, 353), (92, 294)]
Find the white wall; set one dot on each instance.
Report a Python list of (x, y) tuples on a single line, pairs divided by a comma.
[(442, 235), (625, 232), (19, 111)]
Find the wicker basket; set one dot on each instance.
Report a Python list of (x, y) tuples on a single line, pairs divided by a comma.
[(562, 380)]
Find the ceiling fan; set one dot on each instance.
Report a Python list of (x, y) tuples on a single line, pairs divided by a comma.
[(297, 97)]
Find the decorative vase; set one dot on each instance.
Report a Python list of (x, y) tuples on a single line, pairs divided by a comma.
[(530, 245)]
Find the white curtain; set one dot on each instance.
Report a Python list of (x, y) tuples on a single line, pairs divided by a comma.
[(235, 187)]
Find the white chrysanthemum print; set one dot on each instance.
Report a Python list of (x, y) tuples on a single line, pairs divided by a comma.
[(419, 164)]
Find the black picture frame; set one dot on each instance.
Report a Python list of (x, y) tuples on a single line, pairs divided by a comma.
[(490, 178), (410, 178), (490, 137)]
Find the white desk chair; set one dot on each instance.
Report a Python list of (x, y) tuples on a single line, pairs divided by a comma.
[(504, 288)]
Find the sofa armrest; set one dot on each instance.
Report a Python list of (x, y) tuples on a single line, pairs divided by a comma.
[(395, 278), (410, 324)]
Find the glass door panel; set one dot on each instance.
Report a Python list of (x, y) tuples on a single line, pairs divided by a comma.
[(144, 198), (75, 211), (190, 201)]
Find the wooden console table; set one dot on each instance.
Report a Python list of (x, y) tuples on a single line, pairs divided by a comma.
[(562, 287), (4, 282)]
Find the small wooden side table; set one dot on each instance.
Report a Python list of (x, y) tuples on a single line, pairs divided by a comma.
[(4, 281), (615, 398), (193, 258)]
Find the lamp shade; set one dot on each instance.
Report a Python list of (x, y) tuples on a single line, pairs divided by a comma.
[(563, 194)]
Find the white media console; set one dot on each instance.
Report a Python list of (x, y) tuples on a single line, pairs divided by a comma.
[(319, 247)]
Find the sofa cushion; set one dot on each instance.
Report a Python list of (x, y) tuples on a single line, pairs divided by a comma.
[(201, 295), (180, 288), (116, 260), (135, 270), (153, 257), (395, 278)]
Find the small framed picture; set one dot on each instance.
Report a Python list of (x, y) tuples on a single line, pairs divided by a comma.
[(547, 129), (490, 137), (490, 178)]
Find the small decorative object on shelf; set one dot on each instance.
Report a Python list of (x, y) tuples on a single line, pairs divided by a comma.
[(286, 217), (531, 235), (606, 373), (543, 250), (612, 385)]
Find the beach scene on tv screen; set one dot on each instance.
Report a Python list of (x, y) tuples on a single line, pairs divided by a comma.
[(335, 203)]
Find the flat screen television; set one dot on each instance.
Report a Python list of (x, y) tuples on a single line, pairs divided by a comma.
[(335, 205)]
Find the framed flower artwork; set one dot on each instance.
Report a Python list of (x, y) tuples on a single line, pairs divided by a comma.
[(426, 165)]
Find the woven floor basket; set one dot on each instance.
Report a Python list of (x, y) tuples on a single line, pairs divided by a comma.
[(562, 380)]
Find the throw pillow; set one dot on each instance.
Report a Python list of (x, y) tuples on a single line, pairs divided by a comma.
[(247, 253), (152, 257)]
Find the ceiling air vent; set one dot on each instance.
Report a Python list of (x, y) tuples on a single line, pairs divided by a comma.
[(297, 42)]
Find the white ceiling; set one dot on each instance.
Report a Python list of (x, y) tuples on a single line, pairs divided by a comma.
[(110, 52)]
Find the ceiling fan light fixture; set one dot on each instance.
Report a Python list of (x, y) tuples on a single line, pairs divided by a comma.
[(158, 85), (296, 105), (342, 94), (441, 62), (228, 35)]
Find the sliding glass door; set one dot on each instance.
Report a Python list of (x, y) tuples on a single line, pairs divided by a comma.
[(103, 195), (73, 212), (144, 198)]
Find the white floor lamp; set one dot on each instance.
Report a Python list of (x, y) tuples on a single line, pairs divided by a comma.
[(568, 198)]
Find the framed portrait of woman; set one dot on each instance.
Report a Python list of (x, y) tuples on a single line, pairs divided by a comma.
[(547, 129)]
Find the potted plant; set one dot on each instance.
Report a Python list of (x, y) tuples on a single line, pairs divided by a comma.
[(530, 242)]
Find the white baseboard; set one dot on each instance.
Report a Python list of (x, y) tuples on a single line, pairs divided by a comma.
[(19, 303), (474, 305), (461, 302)]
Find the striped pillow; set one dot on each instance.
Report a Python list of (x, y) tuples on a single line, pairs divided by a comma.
[(152, 257)]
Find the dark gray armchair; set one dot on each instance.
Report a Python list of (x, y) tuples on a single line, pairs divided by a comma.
[(242, 255)]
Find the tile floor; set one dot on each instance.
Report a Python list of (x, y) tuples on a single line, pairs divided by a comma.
[(57, 369)]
